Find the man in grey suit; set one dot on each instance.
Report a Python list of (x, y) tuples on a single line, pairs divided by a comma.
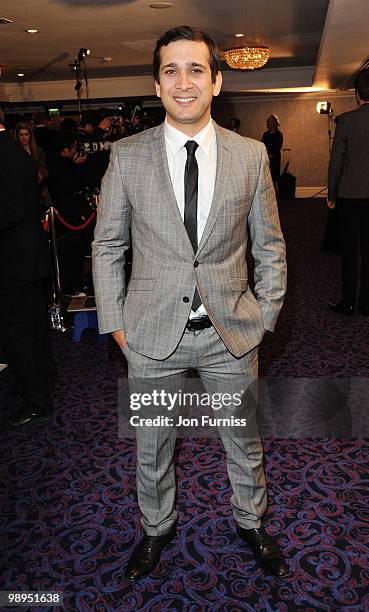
[(348, 185), (187, 190)]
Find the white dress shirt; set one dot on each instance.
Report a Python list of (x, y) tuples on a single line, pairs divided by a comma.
[(206, 157)]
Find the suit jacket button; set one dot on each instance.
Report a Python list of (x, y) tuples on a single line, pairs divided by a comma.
[(186, 299), (196, 263)]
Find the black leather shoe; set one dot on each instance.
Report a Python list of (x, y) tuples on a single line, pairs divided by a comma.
[(146, 555), (27, 414), (266, 552), (342, 308)]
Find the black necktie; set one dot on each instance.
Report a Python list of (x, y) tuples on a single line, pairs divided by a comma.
[(191, 177)]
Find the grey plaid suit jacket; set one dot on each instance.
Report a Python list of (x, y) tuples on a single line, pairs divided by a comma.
[(137, 195)]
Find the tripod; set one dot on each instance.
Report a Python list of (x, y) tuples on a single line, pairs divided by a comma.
[(80, 71), (329, 115)]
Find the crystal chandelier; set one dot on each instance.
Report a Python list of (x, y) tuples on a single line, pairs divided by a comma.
[(247, 58)]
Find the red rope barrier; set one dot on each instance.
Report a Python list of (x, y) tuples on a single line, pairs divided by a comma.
[(74, 227)]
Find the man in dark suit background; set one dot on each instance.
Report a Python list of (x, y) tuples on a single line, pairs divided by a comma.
[(24, 264), (46, 137), (348, 186)]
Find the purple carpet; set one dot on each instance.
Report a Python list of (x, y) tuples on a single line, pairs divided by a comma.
[(69, 514)]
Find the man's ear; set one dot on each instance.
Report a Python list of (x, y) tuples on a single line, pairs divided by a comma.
[(217, 86), (157, 89)]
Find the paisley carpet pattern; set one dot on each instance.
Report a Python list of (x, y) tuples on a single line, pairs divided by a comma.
[(69, 514)]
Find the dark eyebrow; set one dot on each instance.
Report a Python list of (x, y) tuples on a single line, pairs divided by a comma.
[(192, 64)]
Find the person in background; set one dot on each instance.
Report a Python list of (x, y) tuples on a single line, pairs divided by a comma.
[(46, 138), (93, 133), (70, 175), (24, 134), (273, 140), (234, 124), (137, 124), (348, 188), (55, 122), (24, 267), (68, 126), (96, 126)]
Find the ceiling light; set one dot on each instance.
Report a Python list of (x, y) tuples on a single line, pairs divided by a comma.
[(247, 58), (32, 31), (5, 21), (239, 35), (161, 5), (20, 74)]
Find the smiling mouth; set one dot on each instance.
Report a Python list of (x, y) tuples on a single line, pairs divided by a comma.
[(184, 100)]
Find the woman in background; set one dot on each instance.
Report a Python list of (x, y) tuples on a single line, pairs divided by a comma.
[(25, 136), (273, 140)]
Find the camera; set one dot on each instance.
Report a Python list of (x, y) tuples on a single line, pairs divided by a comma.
[(88, 147), (118, 116)]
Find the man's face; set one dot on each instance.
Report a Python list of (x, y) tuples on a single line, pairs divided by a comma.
[(89, 128), (185, 87), (70, 151)]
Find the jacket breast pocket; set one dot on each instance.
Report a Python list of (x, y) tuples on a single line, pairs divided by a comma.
[(236, 205)]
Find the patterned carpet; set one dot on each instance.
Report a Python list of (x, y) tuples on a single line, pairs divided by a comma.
[(70, 518)]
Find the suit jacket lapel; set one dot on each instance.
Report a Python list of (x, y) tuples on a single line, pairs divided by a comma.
[(160, 162), (221, 181)]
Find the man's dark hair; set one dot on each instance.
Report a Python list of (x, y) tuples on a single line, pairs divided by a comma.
[(361, 84), (89, 117), (187, 33), (69, 126), (65, 140)]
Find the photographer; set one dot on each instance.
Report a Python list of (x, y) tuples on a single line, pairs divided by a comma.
[(70, 177), (94, 137)]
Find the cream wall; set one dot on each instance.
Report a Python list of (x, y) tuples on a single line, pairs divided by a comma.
[(305, 132)]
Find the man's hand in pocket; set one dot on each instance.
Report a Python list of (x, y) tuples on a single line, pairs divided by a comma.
[(120, 338)]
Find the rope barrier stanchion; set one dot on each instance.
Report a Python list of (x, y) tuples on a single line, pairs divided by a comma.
[(55, 310)]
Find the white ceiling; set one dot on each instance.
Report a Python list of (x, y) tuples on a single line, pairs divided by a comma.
[(313, 42)]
